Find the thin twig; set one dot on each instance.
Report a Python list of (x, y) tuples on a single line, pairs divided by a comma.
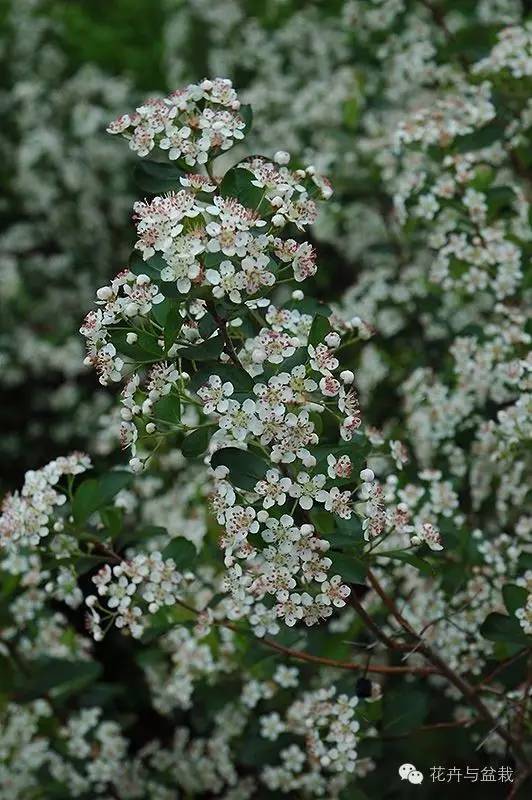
[(301, 655), (468, 691)]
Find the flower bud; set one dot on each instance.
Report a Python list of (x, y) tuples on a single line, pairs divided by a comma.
[(332, 339), (258, 355), (278, 220), (367, 475), (131, 337), (346, 376), (281, 157), (104, 293)]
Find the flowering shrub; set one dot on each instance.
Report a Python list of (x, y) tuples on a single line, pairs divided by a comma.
[(67, 194), (316, 560)]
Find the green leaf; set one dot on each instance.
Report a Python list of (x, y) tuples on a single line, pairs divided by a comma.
[(514, 597), (86, 500), (403, 710), (347, 534), (477, 140), (207, 325), (195, 443), (408, 558), (206, 351), (112, 519), (112, 483), (94, 494), (241, 380), (323, 522), (146, 348), (168, 409), (351, 569), (157, 177), (237, 182), (319, 329), (246, 112), (500, 199), (500, 628), (160, 311), (172, 326), (245, 467), (182, 552), (151, 267), (58, 676)]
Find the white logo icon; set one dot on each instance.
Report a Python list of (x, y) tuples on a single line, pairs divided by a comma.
[(409, 773)]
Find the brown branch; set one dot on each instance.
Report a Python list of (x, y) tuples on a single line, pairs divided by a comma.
[(468, 691), (351, 665), (521, 779), (222, 326), (372, 625), (501, 667), (301, 655), (520, 724), (450, 725)]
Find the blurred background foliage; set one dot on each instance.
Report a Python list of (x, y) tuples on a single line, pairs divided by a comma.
[(68, 66), (123, 37)]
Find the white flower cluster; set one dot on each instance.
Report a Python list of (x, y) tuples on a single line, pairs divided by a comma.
[(513, 52), (85, 756), (449, 118), (524, 614), (26, 515), (142, 583), (190, 124), (266, 555), (66, 181), (127, 296), (411, 509), (224, 245), (272, 560), (329, 728)]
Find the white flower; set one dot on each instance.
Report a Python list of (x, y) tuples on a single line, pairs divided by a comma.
[(339, 468), (263, 620), (282, 533), (322, 359), (226, 281), (271, 726), (308, 489), (426, 532), (334, 592), (215, 395), (367, 475), (273, 488), (286, 677), (339, 503), (329, 386), (293, 608), (241, 420), (349, 426)]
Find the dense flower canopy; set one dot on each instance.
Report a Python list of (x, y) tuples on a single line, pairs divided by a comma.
[(299, 550)]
